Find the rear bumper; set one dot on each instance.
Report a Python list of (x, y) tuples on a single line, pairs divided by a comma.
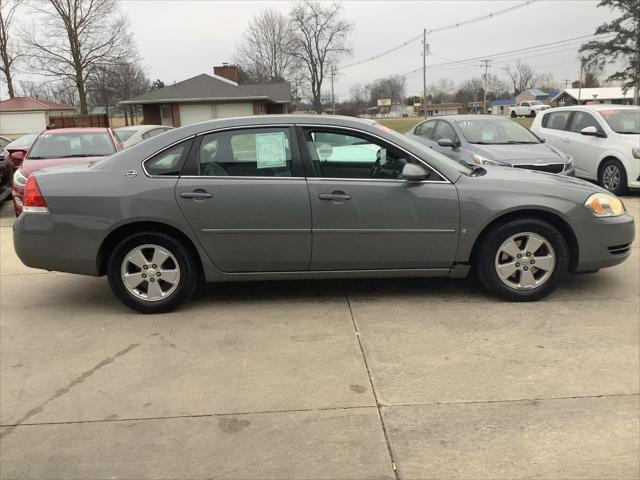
[(39, 244), (603, 242)]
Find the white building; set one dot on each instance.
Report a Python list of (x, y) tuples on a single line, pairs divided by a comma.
[(21, 115), (614, 95)]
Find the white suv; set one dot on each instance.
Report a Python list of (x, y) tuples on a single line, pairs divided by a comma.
[(604, 141)]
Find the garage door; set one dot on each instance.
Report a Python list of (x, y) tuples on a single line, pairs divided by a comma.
[(196, 112), (20, 123), (224, 110)]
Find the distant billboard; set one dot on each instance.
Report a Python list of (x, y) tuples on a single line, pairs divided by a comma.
[(384, 102)]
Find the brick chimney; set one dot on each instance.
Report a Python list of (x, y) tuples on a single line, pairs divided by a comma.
[(230, 72)]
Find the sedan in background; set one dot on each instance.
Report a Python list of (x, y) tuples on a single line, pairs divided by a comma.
[(134, 134), (490, 140), (62, 146), (6, 172), (604, 141), (302, 196), (18, 148)]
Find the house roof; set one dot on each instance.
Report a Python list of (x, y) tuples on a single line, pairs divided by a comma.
[(503, 102), (602, 93), (18, 104), (537, 92), (210, 88)]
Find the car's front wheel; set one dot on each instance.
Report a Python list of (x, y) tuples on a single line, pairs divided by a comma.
[(613, 177), (513, 115), (532, 113), (152, 272), (522, 260)]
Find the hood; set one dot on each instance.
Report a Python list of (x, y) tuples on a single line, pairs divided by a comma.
[(526, 153), (536, 180), (30, 166)]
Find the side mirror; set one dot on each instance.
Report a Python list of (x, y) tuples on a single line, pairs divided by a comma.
[(413, 172), (17, 156), (590, 131), (446, 142)]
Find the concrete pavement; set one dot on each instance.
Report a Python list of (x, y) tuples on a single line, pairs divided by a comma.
[(319, 379)]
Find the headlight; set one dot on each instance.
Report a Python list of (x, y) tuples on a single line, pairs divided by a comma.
[(605, 205), (19, 178), (479, 159), (635, 152)]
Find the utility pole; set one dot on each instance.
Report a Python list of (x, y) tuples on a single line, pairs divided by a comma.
[(580, 85), (333, 98), (424, 71), (484, 101)]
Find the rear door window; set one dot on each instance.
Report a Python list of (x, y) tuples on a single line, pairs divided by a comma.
[(556, 120)]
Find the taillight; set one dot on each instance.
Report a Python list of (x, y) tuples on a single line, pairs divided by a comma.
[(32, 199)]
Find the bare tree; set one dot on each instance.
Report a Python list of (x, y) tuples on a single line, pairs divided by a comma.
[(7, 47), (75, 39), (521, 75), (390, 87), (63, 91), (265, 53), (320, 41)]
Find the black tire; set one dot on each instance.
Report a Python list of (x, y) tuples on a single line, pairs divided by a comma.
[(186, 261), (606, 167), (485, 259), (513, 115), (532, 113)]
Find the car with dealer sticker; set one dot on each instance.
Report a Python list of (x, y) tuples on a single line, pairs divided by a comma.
[(299, 197)]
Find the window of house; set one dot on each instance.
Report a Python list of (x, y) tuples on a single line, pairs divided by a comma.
[(260, 152)]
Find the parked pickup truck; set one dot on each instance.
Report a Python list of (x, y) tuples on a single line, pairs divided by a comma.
[(527, 109)]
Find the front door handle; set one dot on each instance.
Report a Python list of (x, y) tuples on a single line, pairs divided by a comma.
[(197, 194), (337, 196)]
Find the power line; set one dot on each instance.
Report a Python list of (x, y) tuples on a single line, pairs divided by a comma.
[(440, 29), (502, 54)]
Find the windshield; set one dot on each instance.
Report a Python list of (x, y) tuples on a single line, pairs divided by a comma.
[(428, 152), (124, 134), (495, 132), (623, 121), (67, 145), (23, 142)]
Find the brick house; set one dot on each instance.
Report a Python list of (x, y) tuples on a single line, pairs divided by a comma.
[(207, 97)]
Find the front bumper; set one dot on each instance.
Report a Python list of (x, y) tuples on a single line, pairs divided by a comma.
[(603, 242)]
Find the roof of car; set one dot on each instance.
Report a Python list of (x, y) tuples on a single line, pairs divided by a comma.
[(596, 107), (59, 131), (141, 127)]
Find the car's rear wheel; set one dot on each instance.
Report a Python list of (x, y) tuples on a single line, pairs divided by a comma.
[(152, 272), (522, 260), (513, 115), (613, 177)]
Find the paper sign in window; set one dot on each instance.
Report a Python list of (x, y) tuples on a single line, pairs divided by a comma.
[(271, 150)]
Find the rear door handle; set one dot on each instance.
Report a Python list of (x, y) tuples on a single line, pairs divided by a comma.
[(336, 196), (197, 194)]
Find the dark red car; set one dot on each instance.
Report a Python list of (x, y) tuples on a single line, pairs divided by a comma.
[(63, 146), (18, 148)]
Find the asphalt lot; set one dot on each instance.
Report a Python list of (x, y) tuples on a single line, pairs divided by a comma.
[(319, 379)]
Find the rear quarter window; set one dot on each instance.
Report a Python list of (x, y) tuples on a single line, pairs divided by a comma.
[(556, 120)]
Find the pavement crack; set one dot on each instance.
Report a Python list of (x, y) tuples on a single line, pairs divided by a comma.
[(510, 400), (373, 388), (63, 391)]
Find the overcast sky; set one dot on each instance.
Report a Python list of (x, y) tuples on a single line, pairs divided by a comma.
[(180, 39)]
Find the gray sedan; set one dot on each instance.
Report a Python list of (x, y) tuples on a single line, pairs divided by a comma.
[(490, 140), (292, 197)]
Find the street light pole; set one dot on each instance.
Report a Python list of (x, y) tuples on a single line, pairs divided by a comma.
[(424, 71)]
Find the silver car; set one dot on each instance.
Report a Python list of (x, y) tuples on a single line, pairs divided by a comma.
[(490, 140), (292, 197)]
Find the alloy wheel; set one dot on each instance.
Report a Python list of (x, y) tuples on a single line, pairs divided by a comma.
[(150, 272), (525, 261), (611, 177)]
